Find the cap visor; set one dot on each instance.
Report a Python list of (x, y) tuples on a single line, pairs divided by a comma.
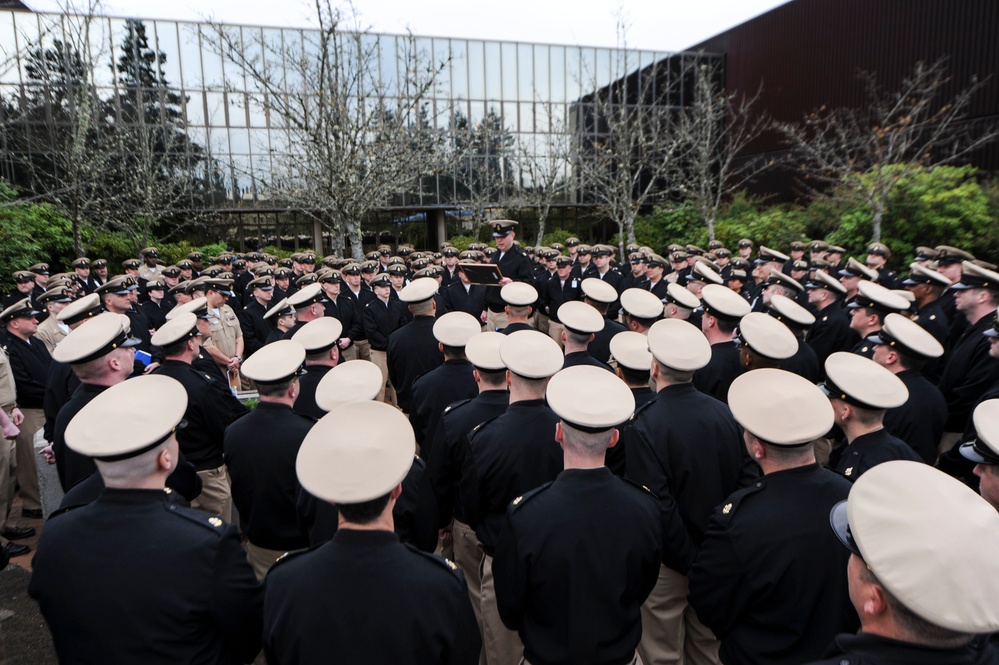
[(841, 527), (967, 451), (960, 287), (131, 342), (991, 332), (873, 339)]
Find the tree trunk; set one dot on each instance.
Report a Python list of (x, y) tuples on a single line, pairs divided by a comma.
[(629, 227), (876, 223), (77, 234), (354, 238), (710, 221)]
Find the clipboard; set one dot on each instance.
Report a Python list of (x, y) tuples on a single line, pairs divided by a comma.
[(486, 274)]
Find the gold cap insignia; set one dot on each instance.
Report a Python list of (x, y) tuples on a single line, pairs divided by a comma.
[(727, 509)]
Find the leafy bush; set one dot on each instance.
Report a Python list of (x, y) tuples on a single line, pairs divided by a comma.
[(31, 233)]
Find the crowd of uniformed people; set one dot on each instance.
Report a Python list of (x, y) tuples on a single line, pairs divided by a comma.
[(711, 456)]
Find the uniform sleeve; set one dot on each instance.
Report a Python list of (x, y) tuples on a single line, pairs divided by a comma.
[(251, 343), (719, 590), (371, 331), (356, 328), (644, 468), (470, 494), (467, 643), (416, 511), (510, 573), (440, 474), (237, 599), (28, 388)]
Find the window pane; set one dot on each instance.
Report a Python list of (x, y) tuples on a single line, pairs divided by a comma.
[(459, 70), (541, 73), (525, 71), (476, 71), (509, 70), (493, 71)]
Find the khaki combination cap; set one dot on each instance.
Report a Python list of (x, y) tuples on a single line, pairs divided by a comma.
[(780, 407), (590, 398), (724, 303), (877, 297), (282, 308), (764, 335), (778, 277), (95, 338), (929, 539), (682, 296), (86, 307), (276, 362), (19, 310), (631, 349), (319, 334), (419, 290), (855, 268), (456, 328), (920, 274), (702, 272), (311, 294), (679, 345), (357, 452), (597, 289), (790, 313), (579, 317), (908, 337), (182, 327), (197, 306), (642, 304), (822, 280), (531, 354), (129, 418), (519, 294), (976, 277), (862, 382), (483, 351), (350, 381)]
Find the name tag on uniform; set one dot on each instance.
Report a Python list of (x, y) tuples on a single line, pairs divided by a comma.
[(575, 284)]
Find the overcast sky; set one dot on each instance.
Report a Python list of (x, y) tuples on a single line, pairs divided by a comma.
[(661, 25)]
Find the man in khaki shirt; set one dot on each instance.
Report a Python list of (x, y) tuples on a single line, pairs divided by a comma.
[(10, 418), (50, 331), (227, 335)]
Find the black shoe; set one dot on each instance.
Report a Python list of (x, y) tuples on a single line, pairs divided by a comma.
[(32, 513), (18, 532), (13, 549)]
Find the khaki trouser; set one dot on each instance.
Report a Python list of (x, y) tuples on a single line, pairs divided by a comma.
[(350, 353), (387, 393), (261, 559), (8, 479), (496, 320), (671, 632), (468, 556), (541, 322), (363, 347), (555, 332), (27, 472), (634, 661), (822, 447), (948, 440), (502, 645), (216, 494)]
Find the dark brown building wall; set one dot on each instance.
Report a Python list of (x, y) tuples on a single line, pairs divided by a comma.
[(807, 53)]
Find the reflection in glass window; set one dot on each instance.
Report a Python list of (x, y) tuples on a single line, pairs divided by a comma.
[(541, 72), (525, 71), (494, 88), (476, 71), (459, 69), (509, 67)]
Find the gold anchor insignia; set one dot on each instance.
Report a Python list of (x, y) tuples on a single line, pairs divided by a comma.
[(727, 509), (215, 521)]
